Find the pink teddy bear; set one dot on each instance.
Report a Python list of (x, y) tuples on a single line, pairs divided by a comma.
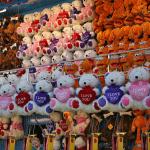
[(63, 93), (87, 12), (138, 89)]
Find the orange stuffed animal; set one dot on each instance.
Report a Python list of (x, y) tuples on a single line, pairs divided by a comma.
[(101, 65), (87, 66), (115, 37), (124, 43), (139, 7), (138, 58), (135, 34), (114, 63), (139, 125), (125, 61)]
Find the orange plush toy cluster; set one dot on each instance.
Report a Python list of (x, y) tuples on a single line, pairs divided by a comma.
[(123, 25)]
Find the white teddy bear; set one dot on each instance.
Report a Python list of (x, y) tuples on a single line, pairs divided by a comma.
[(35, 61), (79, 54), (87, 93), (56, 44), (21, 98), (90, 54), (43, 75), (3, 81), (113, 92), (41, 98), (45, 60), (138, 89), (6, 98), (67, 56), (56, 59), (88, 36), (36, 49), (13, 79), (63, 92), (76, 9)]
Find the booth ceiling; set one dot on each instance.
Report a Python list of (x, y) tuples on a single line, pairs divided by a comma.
[(14, 7)]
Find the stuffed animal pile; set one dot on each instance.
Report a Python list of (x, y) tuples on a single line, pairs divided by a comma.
[(11, 127), (9, 43), (56, 34), (55, 91), (122, 25)]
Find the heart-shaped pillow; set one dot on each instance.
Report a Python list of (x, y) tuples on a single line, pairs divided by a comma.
[(87, 95), (41, 98), (22, 99)]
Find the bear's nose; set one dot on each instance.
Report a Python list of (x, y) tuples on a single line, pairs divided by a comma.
[(136, 77), (60, 84), (19, 89), (112, 80), (40, 88), (9, 82), (4, 92), (84, 83)]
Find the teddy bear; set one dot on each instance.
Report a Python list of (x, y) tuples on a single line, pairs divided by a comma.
[(45, 41), (55, 23), (7, 92), (138, 88), (64, 15), (13, 79), (56, 73), (70, 68), (62, 93), (135, 34), (139, 124), (45, 60), (36, 49), (56, 59), (114, 63), (67, 56), (43, 75), (23, 29), (101, 64), (35, 61), (113, 92), (144, 43), (21, 98), (103, 39), (87, 93), (79, 54), (76, 9), (88, 36), (87, 13), (88, 64), (69, 39), (53, 126), (80, 128), (41, 98), (16, 128), (4, 127), (45, 15), (3, 80), (56, 44)]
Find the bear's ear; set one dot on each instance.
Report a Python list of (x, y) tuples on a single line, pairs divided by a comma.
[(106, 74)]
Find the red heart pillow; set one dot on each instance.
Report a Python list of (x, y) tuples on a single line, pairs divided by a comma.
[(22, 99), (87, 95)]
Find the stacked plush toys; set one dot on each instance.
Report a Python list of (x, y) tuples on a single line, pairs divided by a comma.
[(55, 34), (122, 25)]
